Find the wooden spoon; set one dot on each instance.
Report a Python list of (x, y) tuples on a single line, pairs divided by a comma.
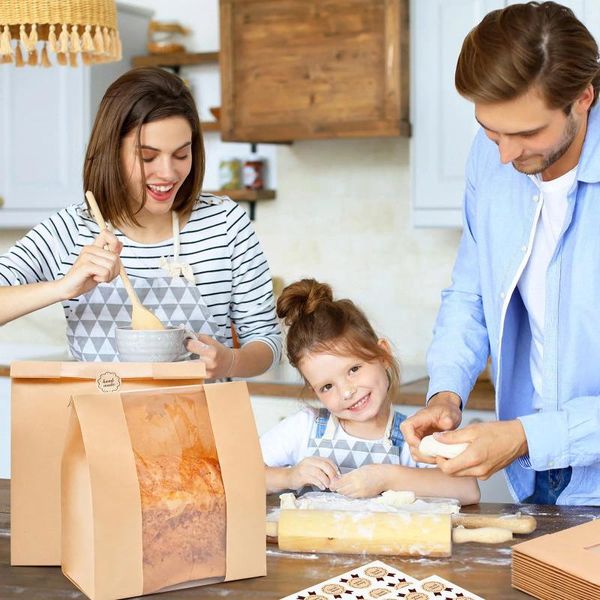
[(141, 317)]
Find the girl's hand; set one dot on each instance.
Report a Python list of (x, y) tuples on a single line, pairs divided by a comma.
[(97, 263), (364, 482), (313, 470), (218, 359)]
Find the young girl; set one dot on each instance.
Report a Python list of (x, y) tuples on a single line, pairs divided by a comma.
[(193, 258), (353, 444)]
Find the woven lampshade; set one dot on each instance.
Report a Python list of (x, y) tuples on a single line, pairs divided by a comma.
[(43, 32)]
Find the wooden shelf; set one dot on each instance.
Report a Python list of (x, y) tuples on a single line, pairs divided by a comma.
[(210, 126), (246, 195), (175, 59)]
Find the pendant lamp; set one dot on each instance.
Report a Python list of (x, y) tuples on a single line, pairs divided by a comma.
[(46, 32)]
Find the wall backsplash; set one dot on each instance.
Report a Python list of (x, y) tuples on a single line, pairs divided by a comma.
[(342, 215)]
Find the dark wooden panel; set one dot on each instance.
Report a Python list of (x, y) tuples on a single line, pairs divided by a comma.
[(305, 69)]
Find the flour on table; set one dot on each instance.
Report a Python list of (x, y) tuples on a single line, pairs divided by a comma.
[(334, 501)]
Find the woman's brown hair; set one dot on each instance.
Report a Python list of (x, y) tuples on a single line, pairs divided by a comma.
[(137, 97), (525, 45), (318, 323)]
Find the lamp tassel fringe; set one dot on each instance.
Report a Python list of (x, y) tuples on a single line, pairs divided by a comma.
[(95, 44)]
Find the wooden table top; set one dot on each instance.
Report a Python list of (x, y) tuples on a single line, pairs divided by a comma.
[(482, 569)]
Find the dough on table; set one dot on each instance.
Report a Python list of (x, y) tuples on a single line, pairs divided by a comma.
[(396, 498), (429, 446), (483, 535), (287, 501)]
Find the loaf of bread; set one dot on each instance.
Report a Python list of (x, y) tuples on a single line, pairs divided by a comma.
[(182, 494)]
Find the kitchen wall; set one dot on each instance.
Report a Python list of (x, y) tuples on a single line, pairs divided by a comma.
[(342, 215)]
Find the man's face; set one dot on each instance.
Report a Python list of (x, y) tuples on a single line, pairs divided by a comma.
[(533, 137)]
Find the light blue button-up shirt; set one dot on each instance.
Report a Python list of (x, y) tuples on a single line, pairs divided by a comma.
[(483, 314)]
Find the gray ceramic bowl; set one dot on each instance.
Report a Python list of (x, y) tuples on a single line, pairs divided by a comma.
[(145, 345)]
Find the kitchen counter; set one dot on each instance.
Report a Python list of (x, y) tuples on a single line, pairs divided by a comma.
[(281, 381), (11, 351), (482, 569)]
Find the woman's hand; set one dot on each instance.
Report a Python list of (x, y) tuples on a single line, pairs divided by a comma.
[(313, 470), (218, 358), (97, 263), (364, 482)]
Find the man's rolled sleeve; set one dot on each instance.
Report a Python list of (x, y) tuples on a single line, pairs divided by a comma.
[(569, 437), (449, 379)]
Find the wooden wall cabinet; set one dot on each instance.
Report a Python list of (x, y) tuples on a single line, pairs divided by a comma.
[(309, 69)]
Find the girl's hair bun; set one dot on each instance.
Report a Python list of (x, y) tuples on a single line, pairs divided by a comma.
[(301, 299)]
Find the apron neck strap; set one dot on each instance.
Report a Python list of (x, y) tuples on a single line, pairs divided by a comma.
[(176, 242)]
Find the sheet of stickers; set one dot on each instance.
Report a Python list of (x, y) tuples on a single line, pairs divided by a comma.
[(378, 580)]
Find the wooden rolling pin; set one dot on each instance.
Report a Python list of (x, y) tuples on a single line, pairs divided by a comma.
[(347, 532), (516, 523), (483, 535)]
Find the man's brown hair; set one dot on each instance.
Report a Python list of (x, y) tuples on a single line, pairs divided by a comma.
[(137, 97), (525, 45)]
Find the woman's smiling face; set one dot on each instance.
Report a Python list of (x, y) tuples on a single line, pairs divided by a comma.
[(166, 150)]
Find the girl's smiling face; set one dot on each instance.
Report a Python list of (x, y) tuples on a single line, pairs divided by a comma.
[(350, 387), (166, 150)]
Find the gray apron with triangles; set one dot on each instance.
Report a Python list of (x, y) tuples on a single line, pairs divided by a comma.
[(351, 454), (175, 300)]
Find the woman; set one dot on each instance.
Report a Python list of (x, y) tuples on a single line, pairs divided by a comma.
[(193, 258)]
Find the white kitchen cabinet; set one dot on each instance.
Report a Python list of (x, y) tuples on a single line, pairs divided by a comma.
[(268, 411), (46, 117), (443, 122)]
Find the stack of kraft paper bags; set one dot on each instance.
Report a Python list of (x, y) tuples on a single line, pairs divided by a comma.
[(565, 564)]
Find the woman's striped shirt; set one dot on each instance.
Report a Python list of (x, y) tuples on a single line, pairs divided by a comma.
[(218, 242)]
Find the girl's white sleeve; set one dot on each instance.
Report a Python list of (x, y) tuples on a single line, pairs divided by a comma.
[(285, 444), (407, 460)]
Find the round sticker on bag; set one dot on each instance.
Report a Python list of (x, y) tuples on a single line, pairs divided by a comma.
[(108, 382)]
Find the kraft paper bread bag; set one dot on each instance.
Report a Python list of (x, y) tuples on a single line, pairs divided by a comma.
[(162, 489), (41, 392)]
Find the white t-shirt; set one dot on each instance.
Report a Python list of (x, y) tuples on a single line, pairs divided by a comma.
[(286, 444), (532, 284)]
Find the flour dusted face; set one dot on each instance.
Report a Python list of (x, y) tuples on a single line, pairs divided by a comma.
[(348, 386)]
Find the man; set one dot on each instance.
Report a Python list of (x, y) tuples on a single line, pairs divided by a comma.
[(526, 283)]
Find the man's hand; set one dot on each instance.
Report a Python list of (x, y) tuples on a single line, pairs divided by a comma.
[(364, 482), (313, 470), (492, 446), (441, 414)]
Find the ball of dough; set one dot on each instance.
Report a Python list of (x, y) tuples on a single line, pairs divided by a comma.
[(287, 501), (429, 446), (396, 498)]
